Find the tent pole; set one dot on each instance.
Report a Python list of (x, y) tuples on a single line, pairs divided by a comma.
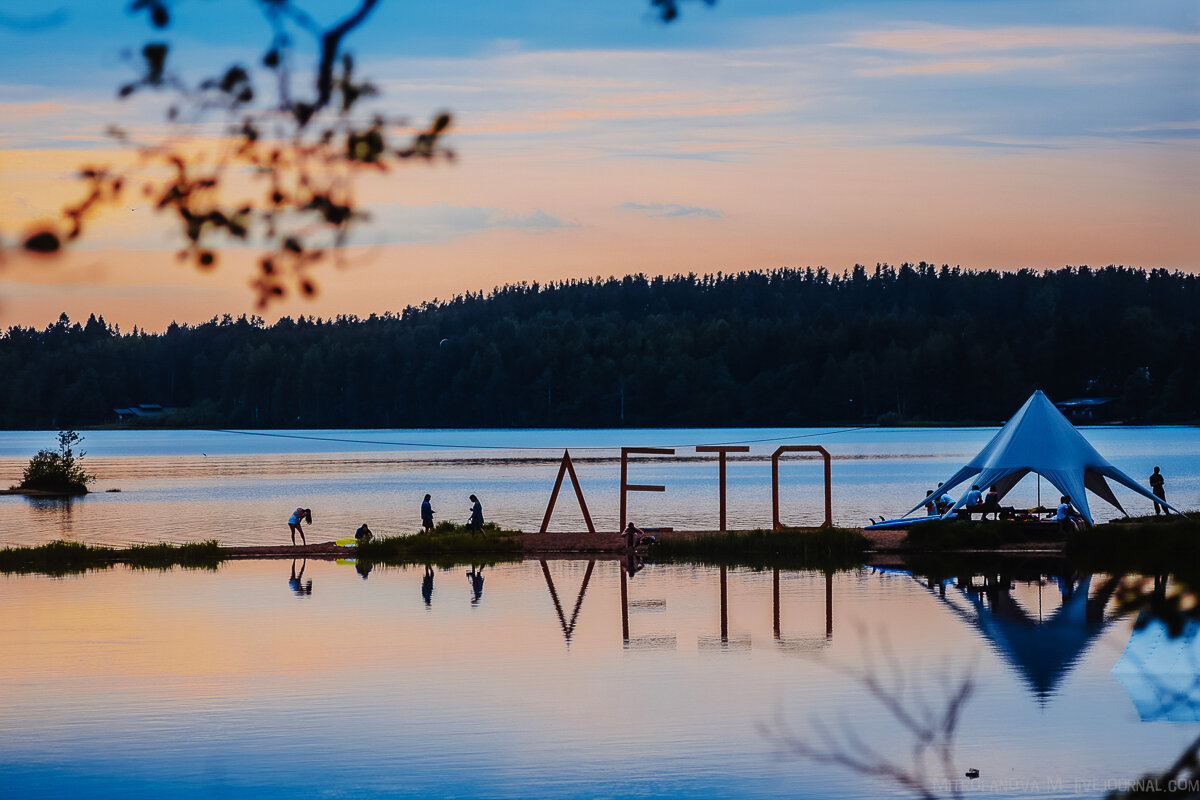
[(1039, 490)]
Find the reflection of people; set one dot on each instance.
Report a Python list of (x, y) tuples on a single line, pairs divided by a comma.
[(363, 534), (297, 583), (634, 562), (427, 514), (476, 521), (363, 567), (427, 586), (300, 514), (475, 576), (1156, 486)]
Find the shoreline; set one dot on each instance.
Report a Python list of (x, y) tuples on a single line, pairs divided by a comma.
[(582, 544)]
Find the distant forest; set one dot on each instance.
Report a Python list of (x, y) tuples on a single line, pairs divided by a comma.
[(786, 347)]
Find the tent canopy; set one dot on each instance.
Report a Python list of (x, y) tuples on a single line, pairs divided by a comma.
[(1039, 439)]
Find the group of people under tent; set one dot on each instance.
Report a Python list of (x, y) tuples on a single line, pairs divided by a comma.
[(1065, 514), (364, 534)]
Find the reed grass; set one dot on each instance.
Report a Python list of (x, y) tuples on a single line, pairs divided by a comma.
[(447, 541), (795, 548), (64, 558)]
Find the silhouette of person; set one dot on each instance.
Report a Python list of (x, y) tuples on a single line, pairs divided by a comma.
[(363, 534), (297, 582), (299, 515), (427, 586), (427, 514), (364, 568), (476, 521), (1156, 485), (1065, 514), (991, 504), (634, 563), (475, 576)]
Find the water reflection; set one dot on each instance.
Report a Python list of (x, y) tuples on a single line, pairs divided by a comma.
[(54, 515), (1042, 646), (475, 578), (568, 627), (808, 643), (297, 582), (1161, 672), (427, 586), (158, 675)]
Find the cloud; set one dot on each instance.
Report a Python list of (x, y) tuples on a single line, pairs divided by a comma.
[(673, 210), (942, 40), (441, 222)]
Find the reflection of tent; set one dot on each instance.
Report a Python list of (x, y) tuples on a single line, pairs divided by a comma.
[(1161, 674), (1041, 650), (1040, 439)]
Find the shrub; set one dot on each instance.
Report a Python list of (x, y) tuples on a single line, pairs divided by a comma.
[(58, 471)]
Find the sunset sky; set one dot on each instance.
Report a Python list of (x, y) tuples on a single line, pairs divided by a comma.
[(593, 140)]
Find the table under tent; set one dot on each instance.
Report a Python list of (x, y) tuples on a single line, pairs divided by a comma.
[(1041, 440)]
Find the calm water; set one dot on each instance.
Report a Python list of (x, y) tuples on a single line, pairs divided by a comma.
[(549, 680), (545, 683), (239, 488)]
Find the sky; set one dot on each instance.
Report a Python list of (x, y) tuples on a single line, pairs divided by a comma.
[(593, 140)]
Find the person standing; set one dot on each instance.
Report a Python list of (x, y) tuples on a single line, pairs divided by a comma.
[(476, 521), (427, 514), (1156, 486), (299, 515)]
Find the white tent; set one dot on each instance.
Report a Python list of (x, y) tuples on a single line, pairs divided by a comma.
[(1039, 439)]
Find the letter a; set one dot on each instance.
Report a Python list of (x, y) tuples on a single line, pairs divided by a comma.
[(563, 468)]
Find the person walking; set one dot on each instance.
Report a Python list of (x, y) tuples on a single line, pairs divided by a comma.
[(1156, 486), (476, 521), (298, 516), (427, 514)]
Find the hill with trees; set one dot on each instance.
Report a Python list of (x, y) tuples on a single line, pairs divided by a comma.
[(785, 347)]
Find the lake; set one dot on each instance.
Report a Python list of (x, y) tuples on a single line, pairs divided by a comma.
[(565, 678), (240, 487), (560, 679)]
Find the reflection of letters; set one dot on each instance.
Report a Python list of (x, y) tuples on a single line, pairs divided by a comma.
[(568, 628)]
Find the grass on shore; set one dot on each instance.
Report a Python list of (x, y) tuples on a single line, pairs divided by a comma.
[(1142, 544), (64, 558), (952, 534), (1146, 544), (447, 540), (793, 548)]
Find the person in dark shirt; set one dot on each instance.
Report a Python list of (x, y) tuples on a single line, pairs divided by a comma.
[(476, 521), (991, 504), (1156, 486), (427, 514)]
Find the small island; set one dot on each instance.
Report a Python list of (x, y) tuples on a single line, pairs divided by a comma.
[(55, 473)]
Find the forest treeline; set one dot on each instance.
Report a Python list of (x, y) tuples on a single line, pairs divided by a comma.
[(784, 347)]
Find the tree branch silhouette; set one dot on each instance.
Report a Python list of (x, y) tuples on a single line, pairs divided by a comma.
[(303, 152)]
